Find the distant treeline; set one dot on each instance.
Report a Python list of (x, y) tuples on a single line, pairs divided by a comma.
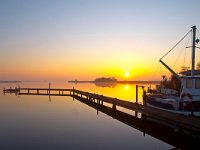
[(104, 79), (113, 80), (10, 81)]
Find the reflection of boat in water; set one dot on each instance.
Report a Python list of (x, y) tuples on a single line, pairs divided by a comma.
[(182, 93)]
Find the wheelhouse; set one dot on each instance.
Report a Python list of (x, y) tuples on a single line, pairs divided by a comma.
[(191, 85)]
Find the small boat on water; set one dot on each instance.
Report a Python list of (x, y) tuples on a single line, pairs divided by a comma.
[(182, 93)]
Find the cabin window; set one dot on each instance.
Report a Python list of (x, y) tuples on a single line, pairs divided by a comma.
[(189, 83), (197, 84)]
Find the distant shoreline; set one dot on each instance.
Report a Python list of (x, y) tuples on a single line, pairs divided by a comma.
[(116, 82), (10, 81)]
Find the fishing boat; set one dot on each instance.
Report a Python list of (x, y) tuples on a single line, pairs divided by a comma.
[(182, 93)]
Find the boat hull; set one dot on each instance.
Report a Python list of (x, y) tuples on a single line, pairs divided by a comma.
[(174, 105)]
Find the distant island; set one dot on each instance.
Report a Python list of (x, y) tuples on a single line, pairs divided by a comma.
[(112, 80), (102, 82), (104, 79)]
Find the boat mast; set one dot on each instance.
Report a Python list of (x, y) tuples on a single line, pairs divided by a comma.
[(193, 50)]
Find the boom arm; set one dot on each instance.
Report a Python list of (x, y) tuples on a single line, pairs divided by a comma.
[(175, 74)]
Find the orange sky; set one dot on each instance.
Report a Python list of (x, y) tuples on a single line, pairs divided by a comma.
[(86, 40)]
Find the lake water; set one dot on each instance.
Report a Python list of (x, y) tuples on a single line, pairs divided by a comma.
[(39, 122)]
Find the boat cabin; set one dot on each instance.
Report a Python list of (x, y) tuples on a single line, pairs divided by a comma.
[(188, 72), (191, 85)]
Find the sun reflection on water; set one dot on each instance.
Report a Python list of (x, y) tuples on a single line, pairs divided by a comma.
[(126, 87)]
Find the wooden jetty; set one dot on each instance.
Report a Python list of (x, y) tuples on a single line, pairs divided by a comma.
[(189, 123)]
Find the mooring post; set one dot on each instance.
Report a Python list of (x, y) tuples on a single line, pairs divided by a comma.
[(136, 114), (114, 104), (97, 112), (49, 87), (144, 97), (136, 93)]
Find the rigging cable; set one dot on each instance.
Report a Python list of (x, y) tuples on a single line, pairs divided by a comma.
[(197, 33), (176, 44), (184, 61), (180, 53), (198, 52), (155, 73)]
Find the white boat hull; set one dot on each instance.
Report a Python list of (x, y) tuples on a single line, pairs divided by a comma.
[(173, 105)]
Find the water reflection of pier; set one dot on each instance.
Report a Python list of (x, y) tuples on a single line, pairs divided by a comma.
[(165, 132), (179, 131)]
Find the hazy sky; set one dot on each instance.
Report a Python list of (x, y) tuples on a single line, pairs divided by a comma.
[(85, 39)]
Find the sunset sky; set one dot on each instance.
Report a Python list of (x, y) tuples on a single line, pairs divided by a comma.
[(85, 39)]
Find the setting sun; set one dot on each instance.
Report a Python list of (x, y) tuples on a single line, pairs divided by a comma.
[(126, 74)]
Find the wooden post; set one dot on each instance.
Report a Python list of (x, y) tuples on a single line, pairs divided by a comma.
[(96, 97), (136, 114), (114, 104), (136, 93), (101, 102), (97, 112), (49, 87), (144, 98)]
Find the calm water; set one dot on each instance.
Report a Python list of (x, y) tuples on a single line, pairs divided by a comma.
[(40, 122)]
